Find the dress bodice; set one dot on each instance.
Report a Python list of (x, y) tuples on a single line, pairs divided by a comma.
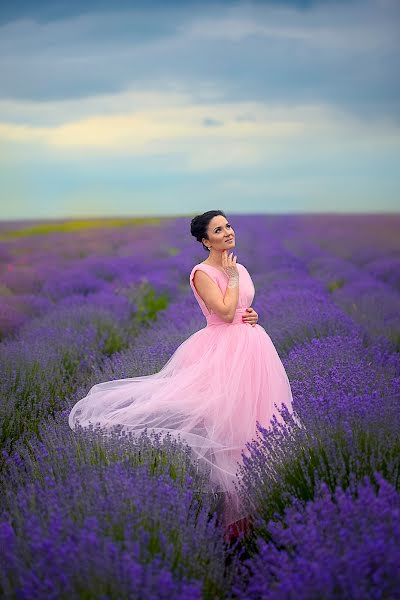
[(246, 291)]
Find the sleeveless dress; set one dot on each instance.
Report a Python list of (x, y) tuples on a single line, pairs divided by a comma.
[(212, 390)]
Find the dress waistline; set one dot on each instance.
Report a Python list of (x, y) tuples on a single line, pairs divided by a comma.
[(214, 319)]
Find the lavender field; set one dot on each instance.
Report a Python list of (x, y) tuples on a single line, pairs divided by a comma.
[(85, 515)]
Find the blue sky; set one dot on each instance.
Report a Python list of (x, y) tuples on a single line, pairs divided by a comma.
[(180, 107)]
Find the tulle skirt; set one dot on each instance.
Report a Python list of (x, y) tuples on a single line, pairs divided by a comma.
[(211, 392)]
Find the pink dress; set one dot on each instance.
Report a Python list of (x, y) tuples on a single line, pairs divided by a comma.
[(212, 390)]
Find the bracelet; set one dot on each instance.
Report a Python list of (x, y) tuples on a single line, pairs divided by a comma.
[(233, 281)]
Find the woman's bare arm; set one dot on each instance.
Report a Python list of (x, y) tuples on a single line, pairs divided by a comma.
[(224, 305)]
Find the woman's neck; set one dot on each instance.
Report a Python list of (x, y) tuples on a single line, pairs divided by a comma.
[(213, 263), (214, 259)]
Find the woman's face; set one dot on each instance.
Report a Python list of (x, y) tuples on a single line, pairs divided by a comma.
[(221, 235)]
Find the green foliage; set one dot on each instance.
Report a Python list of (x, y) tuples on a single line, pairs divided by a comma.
[(396, 341), (340, 458), (173, 251), (335, 284), (78, 225), (112, 338), (5, 291), (148, 303)]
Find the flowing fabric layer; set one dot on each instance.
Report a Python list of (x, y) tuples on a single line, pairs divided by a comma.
[(211, 392)]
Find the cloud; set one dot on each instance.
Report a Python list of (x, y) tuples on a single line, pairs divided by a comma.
[(343, 53), (161, 124), (208, 122), (241, 135), (199, 99), (47, 11), (351, 26)]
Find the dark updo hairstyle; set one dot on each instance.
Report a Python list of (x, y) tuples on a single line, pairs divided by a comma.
[(199, 225)]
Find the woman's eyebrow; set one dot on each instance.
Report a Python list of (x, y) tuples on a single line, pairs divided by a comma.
[(218, 226)]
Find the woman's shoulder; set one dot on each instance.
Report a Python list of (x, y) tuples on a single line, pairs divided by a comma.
[(206, 268), (203, 264), (215, 273)]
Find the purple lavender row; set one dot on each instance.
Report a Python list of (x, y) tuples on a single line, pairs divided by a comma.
[(372, 303), (346, 392)]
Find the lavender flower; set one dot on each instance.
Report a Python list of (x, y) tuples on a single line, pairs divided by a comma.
[(340, 545)]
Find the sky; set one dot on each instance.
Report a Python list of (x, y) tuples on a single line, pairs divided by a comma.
[(179, 107)]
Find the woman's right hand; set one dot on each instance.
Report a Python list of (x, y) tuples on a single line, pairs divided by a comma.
[(230, 268)]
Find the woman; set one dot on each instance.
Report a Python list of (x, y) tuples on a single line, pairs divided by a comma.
[(218, 382)]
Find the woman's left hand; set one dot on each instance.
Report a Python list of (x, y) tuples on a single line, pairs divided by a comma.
[(251, 317)]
